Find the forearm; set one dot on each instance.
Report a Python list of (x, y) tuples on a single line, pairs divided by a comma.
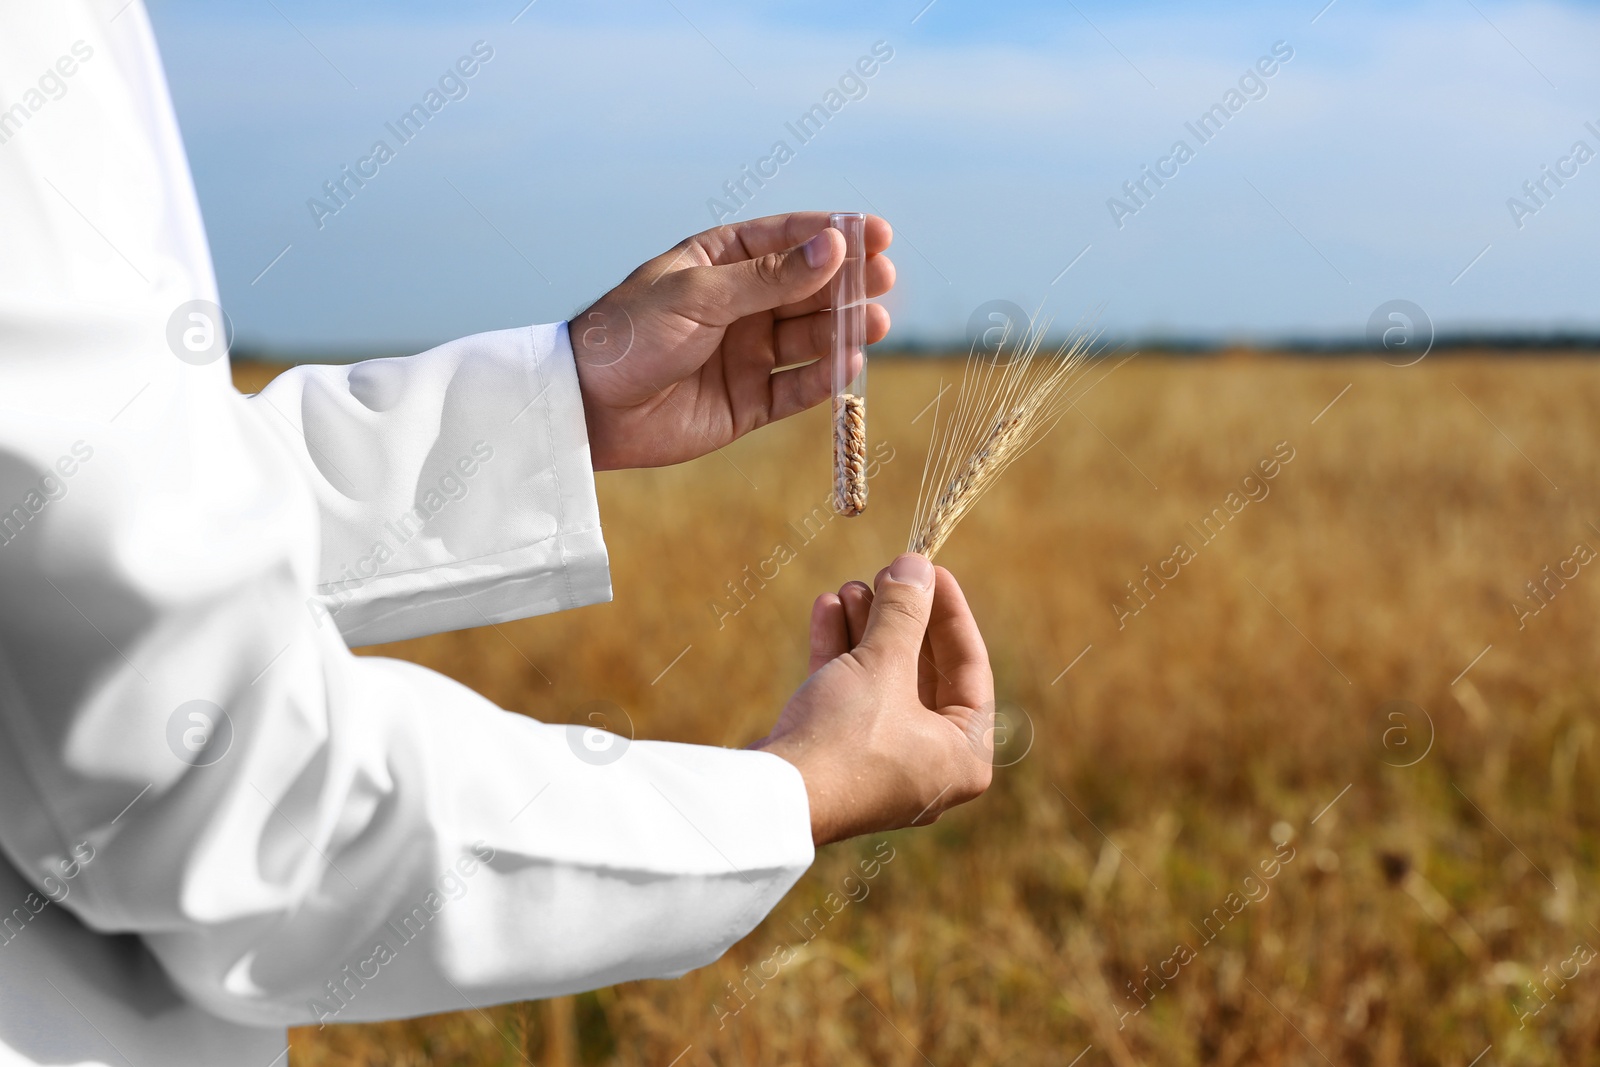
[(453, 487), (472, 857)]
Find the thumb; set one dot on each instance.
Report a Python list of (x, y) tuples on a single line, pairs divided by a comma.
[(779, 278), (900, 609)]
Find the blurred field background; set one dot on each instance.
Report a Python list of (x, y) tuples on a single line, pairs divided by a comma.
[(1254, 694)]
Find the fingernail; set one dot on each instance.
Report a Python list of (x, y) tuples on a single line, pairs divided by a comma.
[(816, 250), (912, 569)]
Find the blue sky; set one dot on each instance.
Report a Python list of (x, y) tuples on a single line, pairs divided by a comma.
[(1375, 164)]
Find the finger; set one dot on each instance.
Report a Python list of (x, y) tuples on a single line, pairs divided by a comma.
[(960, 660), (829, 637), (810, 336), (879, 276), (857, 599), (732, 291), (799, 388), (928, 675), (754, 238), (899, 616)]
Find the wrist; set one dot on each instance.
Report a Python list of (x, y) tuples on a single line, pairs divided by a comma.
[(821, 801), (587, 336)]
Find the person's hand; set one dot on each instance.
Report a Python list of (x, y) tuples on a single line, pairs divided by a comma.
[(896, 723), (678, 360)]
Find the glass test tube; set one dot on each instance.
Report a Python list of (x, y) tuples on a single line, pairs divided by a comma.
[(850, 367)]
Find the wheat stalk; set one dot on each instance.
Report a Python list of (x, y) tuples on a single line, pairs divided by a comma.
[(1007, 402)]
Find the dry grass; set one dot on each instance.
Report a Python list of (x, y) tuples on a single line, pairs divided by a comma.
[(1251, 691)]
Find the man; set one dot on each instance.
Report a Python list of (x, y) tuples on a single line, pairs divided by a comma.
[(216, 821)]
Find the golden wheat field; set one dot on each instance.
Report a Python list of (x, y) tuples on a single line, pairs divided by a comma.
[(1327, 795)]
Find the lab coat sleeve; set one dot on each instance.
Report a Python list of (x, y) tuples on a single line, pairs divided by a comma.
[(296, 833), (453, 487)]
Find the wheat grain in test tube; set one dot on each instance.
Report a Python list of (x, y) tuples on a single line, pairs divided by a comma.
[(850, 368)]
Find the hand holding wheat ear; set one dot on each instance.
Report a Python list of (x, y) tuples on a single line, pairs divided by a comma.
[(895, 725), (1007, 402)]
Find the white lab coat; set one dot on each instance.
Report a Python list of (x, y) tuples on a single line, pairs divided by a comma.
[(349, 838)]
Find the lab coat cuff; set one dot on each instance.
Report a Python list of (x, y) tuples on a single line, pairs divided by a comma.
[(568, 569)]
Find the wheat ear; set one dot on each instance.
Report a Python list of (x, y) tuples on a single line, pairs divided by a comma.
[(1007, 402)]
